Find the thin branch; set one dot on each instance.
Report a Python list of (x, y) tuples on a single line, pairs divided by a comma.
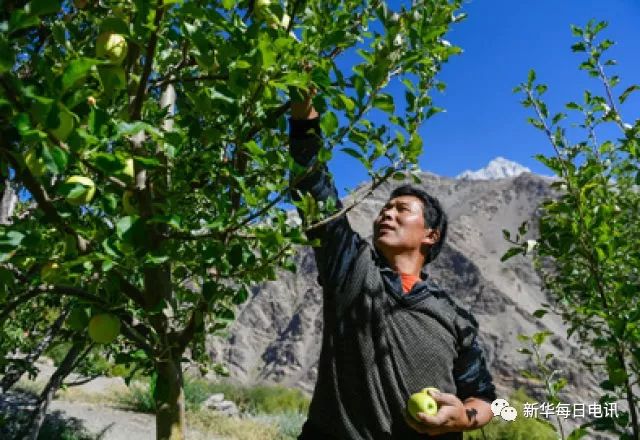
[(52, 289), (130, 332), (136, 106), (130, 290), (356, 202), (186, 335), (82, 381), (161, 82)]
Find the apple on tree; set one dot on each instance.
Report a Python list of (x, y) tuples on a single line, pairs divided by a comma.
[(422, 402), (111, 46), (35, 164), (49, 272), (129, 170), (104, 328), (81, 197), (129, 203)]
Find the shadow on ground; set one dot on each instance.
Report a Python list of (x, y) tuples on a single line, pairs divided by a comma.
[(15, 408)]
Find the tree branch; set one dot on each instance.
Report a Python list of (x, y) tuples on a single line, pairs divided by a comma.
[(136, 106), (57, 290), (161, 82)]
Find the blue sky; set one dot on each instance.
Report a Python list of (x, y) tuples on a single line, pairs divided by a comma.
[(502, 40)]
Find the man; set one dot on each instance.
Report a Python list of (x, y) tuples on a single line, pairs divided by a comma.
[(389, 330)]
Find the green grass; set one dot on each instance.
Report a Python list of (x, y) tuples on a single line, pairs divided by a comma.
[(260, 399), (522, 428), (268, 412)]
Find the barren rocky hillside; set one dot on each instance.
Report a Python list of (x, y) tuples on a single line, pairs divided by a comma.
[(277, 336)]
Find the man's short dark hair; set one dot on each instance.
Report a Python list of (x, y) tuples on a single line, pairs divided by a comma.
[(434, 215)]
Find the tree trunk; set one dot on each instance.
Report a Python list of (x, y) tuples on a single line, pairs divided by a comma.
[(32, 429), (7, 202), (169, 398)]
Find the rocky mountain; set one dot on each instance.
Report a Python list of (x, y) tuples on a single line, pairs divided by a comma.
[(278, 333), (498, 168)]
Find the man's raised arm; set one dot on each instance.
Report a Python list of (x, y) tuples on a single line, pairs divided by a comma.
[(338, 241)]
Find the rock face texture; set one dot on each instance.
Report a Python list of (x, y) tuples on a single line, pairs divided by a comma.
[(277, 336)]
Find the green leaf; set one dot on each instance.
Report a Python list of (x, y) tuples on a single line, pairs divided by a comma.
[(347, 102), (540, 313), (511, 253), (112, 78), (241, 295), (76, 72), (531, 77), (415, 147), (21, 20), (577, 434), (107, 162), (268, 56), (254, 148), (225, 315), (55, 159), (6, 56), (44, 7), (353, 153), (125, 226), (540, 337), (129, 129), (228, 4), (329, 123), (628, 92), (11, 239), (617, 377), (384, 102), (72, 190), (114, 24)]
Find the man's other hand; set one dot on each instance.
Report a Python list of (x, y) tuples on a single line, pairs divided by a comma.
[(452, 416)]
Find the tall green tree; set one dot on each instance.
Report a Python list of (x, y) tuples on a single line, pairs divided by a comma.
[(588, 251), (151, 138)]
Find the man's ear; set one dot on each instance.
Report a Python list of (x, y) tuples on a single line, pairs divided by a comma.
[(431, 237)]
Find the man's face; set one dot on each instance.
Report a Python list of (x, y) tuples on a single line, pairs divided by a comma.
[(400, 226)]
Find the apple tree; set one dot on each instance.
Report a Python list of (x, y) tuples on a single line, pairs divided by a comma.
[(588, 250), (148, 141)]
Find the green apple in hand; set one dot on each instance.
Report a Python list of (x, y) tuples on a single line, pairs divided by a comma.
[(422, 402)]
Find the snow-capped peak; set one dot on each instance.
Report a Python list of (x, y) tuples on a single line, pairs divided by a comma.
[(498, 168)]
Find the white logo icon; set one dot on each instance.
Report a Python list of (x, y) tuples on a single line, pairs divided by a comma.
[(500, 407)]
